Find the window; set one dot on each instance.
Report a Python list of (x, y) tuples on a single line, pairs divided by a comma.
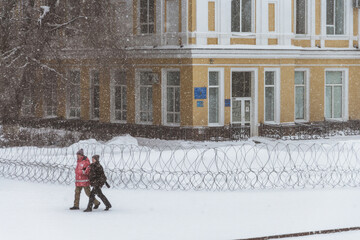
[(335, 17), (270, 96), (214, 98), (146, 98), (147, 16), (95, 94), (119, 96), (74, 94), (173, 97), (301, 17), (27, 108), (334, 94), (300, 95), (50, 96), (241, 15)]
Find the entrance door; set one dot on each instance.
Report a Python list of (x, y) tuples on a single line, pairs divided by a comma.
[(241, 111)]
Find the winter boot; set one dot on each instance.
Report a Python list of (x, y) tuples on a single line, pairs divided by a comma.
[(96, 206), (107, 207), (88, 210), (74, 208)]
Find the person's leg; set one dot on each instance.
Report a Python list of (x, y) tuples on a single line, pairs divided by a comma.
[(77, 198), (103, 198), (87, 191), (91, 200)]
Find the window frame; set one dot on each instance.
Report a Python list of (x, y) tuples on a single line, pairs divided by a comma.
[(164, 96), (148, 22), (345, 20), (112, 96), (92, 93), (252, 19), (345, 94), (306, 94), (54, 94), (277, 102), (220, 86), (68, 93), (137, 93), (307, 19)]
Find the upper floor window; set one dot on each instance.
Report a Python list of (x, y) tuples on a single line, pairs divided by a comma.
[(147, 16), (335, 17), (241, 15), (301, 17)]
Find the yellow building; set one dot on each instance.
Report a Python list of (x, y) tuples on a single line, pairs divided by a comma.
[(205, 66)]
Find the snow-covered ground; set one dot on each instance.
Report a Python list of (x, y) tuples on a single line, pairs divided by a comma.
[(34, 211)]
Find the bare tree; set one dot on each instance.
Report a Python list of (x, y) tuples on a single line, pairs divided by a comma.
[(31, 32)]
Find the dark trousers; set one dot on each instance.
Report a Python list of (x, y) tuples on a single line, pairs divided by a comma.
[(97, 191)]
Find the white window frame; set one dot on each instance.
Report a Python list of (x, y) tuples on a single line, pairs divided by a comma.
[(307, 19), (345, 93), (307, 95), (221, 97), (68, 94), (277, 102), (252, 20), (164, 96), (148, 22), (137, 93), (28, 93), (112, 96), (53, 93), (92, 94)]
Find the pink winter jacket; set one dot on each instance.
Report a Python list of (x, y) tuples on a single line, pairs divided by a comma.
[(82, 179)]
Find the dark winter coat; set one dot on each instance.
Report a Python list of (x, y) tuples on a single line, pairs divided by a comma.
[(96, 175)]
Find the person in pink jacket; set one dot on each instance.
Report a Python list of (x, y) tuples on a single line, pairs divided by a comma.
[(82, 179)]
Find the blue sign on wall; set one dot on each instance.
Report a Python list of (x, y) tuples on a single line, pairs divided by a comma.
[(200, 92), (200, 103), (227, 102)]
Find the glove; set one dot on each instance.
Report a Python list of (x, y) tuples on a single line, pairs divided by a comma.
[(108, 186), (84, 169)]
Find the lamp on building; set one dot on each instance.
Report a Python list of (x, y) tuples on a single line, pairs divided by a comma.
[(318, 46), (356, 46)]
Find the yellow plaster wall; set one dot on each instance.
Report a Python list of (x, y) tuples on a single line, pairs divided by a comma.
[(317, 84), (187, 96), (192, 16), (243, 41), (356, 21), (212, 41), (271, 16), (301, 43), (317, 17), (200, 79), (272, 41), (227, 94), (354, 90), (211, 16), (337, 43), (287, 100)]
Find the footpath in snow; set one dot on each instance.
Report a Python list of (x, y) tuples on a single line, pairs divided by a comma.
[(35, 211)]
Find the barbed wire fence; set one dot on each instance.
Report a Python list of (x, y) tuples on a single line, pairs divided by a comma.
[(240, 166)]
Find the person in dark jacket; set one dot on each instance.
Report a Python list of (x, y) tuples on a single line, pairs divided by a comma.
[(97, 180)]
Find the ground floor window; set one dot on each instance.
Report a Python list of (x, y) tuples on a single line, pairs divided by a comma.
[(119, 96), (95, 94), (172, 101), (300, 95), (27, 107), (270, 96), (50, 94), (334, 81), (73, 94), (145, 97)]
